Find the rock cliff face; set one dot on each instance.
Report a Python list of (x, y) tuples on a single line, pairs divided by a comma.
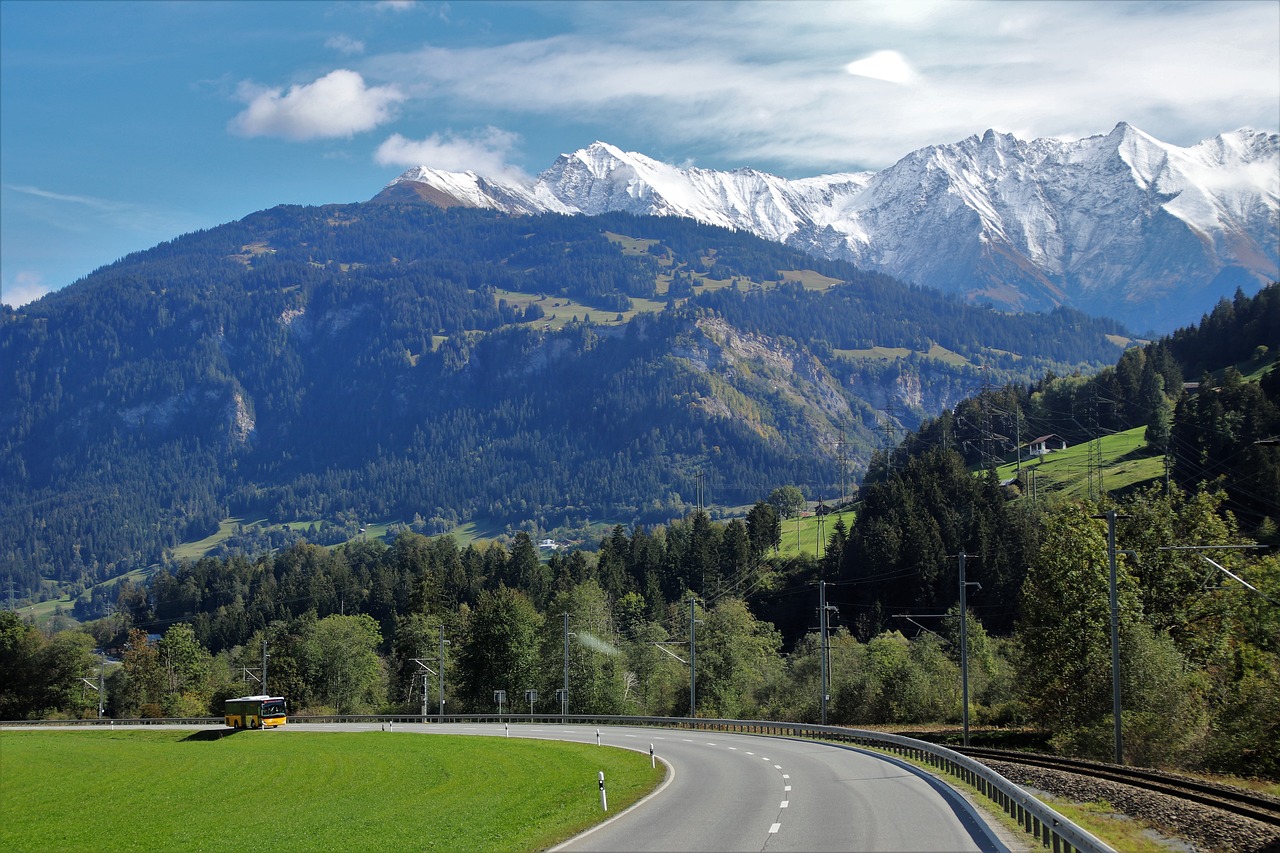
[(1122, 225)]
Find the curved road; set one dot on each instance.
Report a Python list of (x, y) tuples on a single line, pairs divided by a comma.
[(738, 792)]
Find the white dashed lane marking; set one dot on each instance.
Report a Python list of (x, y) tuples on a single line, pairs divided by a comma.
[(773, 829)]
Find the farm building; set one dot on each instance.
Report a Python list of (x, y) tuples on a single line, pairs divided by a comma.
[(1046, 444)]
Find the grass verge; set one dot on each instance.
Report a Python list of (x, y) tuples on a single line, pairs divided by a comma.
[(290, 790)]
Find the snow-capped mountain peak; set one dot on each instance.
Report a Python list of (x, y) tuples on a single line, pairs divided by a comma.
[(1114, 224)]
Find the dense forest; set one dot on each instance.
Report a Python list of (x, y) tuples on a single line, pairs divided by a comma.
[(1200, 650), (335, 365)]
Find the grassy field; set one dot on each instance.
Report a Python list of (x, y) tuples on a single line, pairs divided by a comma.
[(295, 790), (559, 311), (936, 352), (42, 611), (226, 527), (1066, 472), (801, 535), (810, 280)]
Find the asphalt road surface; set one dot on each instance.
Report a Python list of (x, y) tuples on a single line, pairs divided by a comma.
[(738, 792)]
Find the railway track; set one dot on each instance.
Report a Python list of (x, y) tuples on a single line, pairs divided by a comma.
[(1248, 804)]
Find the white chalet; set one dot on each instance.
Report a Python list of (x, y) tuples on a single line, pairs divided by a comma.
[(1046, 444)]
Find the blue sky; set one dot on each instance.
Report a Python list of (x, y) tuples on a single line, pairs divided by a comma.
[(125, 124)]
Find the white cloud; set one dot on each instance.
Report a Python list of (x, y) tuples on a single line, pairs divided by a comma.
[(87, 201), (395, 5), (84, 213), (336, 105), (887, 65), (485, 153), (770, 82), (344, 44), (27, 286)]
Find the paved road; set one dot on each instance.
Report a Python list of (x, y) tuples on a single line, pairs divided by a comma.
[(737, 792)]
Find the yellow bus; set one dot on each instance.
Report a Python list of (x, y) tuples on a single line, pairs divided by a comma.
[(255, 712)]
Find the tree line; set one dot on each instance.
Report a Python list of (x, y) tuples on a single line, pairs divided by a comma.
[(346, 629)]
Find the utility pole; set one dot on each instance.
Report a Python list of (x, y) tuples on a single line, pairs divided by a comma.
[(693, 660), (426, 670), (1115, 629), (1017, 438), (840, 460), (888, 428), (564, 697), (264, 665), (1095, 460), (440, 663), (820, 535), (822, 645), (693, 666), (964, 643), (1111, 516)]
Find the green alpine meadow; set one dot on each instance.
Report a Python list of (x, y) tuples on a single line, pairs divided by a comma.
[(295, 790)]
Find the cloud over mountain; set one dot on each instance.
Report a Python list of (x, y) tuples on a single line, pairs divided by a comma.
[(338, 104)]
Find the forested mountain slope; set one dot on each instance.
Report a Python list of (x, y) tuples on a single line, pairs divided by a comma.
[(385, 361), (1217, 432)]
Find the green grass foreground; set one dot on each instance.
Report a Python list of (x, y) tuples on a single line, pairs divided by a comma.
[(294, 790)]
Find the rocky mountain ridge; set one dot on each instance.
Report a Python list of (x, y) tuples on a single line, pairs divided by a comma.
[(1120, 224)]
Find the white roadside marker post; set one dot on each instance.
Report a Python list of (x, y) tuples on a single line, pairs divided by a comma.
[(653, 761), (597, 737), (604, 798)]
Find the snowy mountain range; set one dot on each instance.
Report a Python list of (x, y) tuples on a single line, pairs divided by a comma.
[(1121, 225)]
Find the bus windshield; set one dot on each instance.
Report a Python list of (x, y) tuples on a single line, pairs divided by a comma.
[(273, 707)]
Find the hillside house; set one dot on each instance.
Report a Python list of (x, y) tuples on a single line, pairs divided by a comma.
[(1046, 444)]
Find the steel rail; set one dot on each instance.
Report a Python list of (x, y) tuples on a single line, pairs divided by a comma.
[(1244, 803)]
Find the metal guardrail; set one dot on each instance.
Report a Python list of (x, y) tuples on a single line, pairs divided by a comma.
[(1048, 827)]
